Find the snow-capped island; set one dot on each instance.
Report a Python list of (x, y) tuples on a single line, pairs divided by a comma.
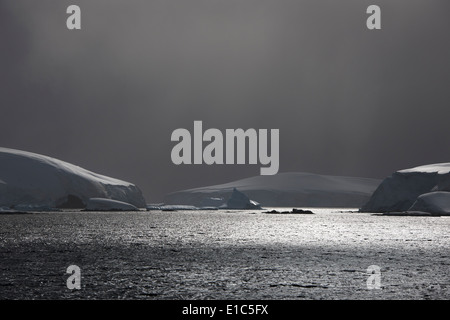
[(36, 182), (291, 189), (420, 189)]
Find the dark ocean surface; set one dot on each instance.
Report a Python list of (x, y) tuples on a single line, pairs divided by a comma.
[(223, 255)]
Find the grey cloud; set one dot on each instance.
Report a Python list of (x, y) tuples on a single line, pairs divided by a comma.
[(347, 101)]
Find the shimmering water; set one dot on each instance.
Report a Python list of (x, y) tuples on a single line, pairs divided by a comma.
[(223, 255)]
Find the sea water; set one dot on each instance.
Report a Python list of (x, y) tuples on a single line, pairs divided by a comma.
[(224, 255)]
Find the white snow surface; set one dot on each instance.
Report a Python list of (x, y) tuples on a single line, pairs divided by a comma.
[(287, 189), (433, 202), (439, 168), (101, 204), (30, 179)]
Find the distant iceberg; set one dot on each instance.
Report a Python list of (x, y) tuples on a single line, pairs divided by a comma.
[(291, 189), (417, 189), (36, 181), (238, 200)]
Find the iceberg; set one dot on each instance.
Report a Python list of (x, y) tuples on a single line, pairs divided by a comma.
[(35, 181), (238, 200), (101, 204), (400, 191), (437, 203), (290, 189)]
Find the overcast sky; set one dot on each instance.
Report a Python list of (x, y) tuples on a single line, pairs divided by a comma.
[(347, 101)]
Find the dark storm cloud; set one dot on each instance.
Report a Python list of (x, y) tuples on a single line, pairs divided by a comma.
[(347, 101)]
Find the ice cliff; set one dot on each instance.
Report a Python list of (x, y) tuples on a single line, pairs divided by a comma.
[(408, 187)]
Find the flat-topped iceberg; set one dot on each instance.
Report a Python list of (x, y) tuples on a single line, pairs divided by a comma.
[(403, 188), (291, 189), (32, 180)]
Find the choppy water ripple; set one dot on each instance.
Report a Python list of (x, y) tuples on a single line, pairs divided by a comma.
[(223, 255)]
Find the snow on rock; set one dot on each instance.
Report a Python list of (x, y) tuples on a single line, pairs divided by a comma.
[(29, 179), (238, 200), (433, 202), (289, 189), (101, 204), (398, 192)]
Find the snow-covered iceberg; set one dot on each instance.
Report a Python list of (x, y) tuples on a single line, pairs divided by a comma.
[(400, 191), (102, 204), (291, 189), (29, 179)]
